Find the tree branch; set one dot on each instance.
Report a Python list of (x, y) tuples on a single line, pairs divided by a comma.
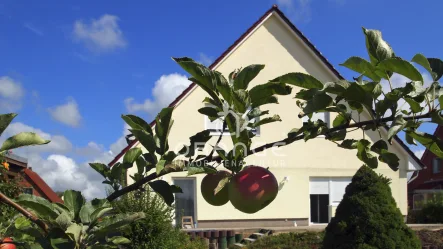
[(286, 141), (24, 212)]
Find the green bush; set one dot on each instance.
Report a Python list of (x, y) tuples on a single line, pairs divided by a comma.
[(431, 212), (306, 240), (368, 217), (155, 231)]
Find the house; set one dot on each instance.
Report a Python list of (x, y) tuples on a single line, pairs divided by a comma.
[(314, 173), (424, 184), (30, 181)]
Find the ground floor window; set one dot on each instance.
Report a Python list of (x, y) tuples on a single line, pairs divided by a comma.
[(325, 194), (185, 203)]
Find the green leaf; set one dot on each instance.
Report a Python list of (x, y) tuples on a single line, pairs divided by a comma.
[(431, 142), (160, 166), (362, 66), (437, 67), (99, 213), (337, 135), (221, 184), (378, 146), (162, 128), (193, 170), (64, 220), (74, 231), (164, 190), (211, 112), (415, 106), (357, 93), (60, 240), (320, 101), (5, 120), (39, 205), (337, 87), (373, 88), (23, 139), (241, 100), (115, 223), (74, 201), (146, 139), (141, 165), (389, 158), (176, 189), (299, 79), (378, 49), (21, 222), (246, 75), (137, 123), (349, 144), (364, 155), (409, 139), (267, 120), (119, 240), (199, 138), (436, 118), (397, 125), (100, 168), (131, 155), (341, 119), (400, 66), (440, 101), (263, 92), (423, 61)]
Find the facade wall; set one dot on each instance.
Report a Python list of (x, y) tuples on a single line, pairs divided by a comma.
[(282, 52)]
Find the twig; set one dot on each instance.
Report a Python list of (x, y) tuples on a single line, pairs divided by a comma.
[(24, 212), (282, 142)]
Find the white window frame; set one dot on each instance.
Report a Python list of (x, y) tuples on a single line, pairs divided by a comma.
[(316, 116), (194, 179)]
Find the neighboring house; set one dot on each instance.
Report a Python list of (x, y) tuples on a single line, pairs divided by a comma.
[(31, 182), (316, 172), (424, 184)]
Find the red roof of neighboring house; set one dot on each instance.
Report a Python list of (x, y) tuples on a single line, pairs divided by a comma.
[(237, 42), (43, 187)]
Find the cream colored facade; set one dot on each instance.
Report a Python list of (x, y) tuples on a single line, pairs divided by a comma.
[(274, 44)]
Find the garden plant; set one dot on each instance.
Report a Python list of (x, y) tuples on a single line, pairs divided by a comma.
[(360, 103)]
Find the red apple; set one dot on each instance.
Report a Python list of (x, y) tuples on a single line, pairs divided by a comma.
[(252, 189), (7, 244), (209, 183)]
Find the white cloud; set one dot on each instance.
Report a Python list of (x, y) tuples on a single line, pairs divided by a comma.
[(205, 59), (67, 114), (100, 35), (299, 10), (62, 172), (166, 89), (10, 88), (33, 29)]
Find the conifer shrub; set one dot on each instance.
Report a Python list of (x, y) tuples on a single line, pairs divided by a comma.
[(368, 217)]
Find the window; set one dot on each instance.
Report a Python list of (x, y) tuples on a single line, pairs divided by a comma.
[(436, 166), (418, 201), (216, 126), (324, 116), (338, 187), (28, 191), (185, 203)]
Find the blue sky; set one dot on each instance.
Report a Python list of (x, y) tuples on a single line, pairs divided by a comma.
[(71, 68)]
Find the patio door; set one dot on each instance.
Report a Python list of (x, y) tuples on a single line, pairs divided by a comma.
[(185, 203)]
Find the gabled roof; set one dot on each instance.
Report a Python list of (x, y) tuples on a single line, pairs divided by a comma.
[(38, 182), (279, 13)]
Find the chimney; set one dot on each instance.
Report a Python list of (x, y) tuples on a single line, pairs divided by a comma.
[(30, 168)]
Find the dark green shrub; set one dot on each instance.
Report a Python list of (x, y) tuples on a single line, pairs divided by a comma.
[(155, 231), (306, 240), (431, 212), (368, 217)]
